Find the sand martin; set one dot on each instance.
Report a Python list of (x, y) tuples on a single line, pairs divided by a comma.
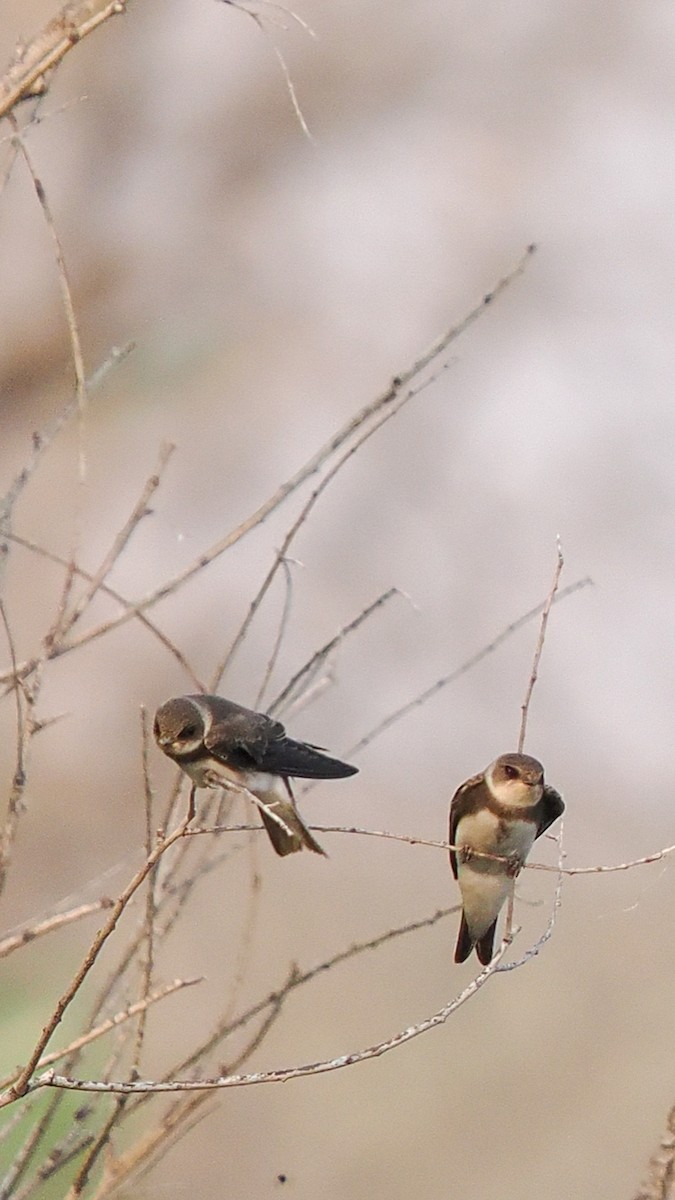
[(219, 743), (502, 811)]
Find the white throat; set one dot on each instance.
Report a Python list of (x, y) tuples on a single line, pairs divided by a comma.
[(514, 793)]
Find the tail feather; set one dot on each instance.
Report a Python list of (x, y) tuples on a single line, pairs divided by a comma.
[(483, 946), (465, 942), (296, 838)]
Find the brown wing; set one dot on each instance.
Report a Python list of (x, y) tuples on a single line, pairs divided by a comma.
[(239, 736), (249, 740), (284, 756), (461, 804)]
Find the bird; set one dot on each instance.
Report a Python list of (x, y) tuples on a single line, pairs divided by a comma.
[(500, 811), (221, 744)]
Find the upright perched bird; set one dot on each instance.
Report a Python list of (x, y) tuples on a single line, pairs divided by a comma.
[(217, 742), (502, 811)]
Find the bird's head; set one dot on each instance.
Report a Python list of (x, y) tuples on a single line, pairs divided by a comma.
[(516, 780), (179, 726)]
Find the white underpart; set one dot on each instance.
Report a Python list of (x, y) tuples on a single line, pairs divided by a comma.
[(485, 885), (208, 772)]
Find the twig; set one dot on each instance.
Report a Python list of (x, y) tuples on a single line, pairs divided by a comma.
[(14, 804), (660, 1184), (22, 1158), (410, 840), (22, 1084), (140, 510), (378, 421), (250, 919), (318, 659), (298, 979), (23, 670), (290, 87), (525, 708), (388, 397), (25, 74), (59, 1157), (66, 290), (14, 941), (282, 1075), (466, 666), (283, 624), (135, 1159), (127, 1014), (42, 441), (557, 900), (81, 1179)]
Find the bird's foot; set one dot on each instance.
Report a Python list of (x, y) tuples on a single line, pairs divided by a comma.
[(514, 865)]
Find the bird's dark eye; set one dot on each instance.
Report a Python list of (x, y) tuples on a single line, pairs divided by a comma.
[(511, 772), (189, 732)]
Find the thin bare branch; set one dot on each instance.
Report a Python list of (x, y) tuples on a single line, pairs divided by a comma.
[(22, 1084), (376, 423), (24, 1157), (95, 1149), (121, 540), (660, 1183), (393, 394), (14, 941), (150, 899), (179, 1120), (282, 1075), (317, 660), (66, 290), (654, 857), (557, 901), (278, 641), (26, 74), (466, 666), (127, 1014), (525, 708), (25, 730), (59, 1157), (250, 919), (25, 669), (297, 979)]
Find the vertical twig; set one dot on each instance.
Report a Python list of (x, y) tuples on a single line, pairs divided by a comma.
[(525, 707), (23, 733), (150, 900), (278, 641)]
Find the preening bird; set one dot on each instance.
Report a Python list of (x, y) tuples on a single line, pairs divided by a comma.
[(217, 742), (501, 811)]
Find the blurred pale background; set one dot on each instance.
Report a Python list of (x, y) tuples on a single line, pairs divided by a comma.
[(273, 285)]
